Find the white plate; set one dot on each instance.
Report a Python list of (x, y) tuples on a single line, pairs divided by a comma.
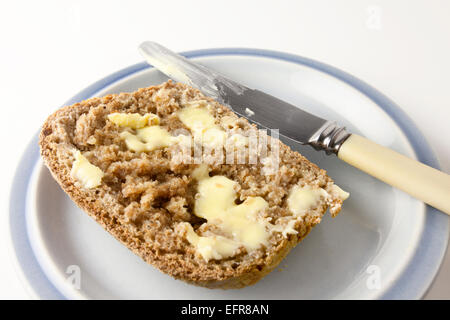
[(381, 234)]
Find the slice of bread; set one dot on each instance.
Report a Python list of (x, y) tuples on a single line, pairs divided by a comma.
[(148, 200)]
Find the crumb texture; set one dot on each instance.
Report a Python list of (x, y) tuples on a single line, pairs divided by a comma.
[(144, 197)]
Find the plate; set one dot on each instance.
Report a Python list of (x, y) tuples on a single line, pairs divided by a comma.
[(383, 245)]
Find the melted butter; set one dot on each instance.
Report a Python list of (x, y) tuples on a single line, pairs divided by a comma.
[(202, 124), (213, 137), (287, 228), (147, 139), (200, 173), (198, 119), (133, 120), (149, 135), (215, 202), (238, 140), (212, 247), (301, 199), (86, 173), (229, 122), (341, 194)]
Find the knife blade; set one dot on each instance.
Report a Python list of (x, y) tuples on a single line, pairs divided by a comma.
[(421, 181), (258, 107)]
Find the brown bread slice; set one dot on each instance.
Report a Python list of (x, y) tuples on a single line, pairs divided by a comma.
[(144, 196)]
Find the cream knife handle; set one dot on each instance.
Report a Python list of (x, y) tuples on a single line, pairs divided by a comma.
[(421, 181)]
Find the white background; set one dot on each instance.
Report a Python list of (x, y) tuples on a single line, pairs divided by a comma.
[(50, 50)]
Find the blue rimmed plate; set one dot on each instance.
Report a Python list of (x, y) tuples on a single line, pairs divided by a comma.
[(384, 244)]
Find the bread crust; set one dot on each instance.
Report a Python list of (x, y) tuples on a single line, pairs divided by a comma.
[(56, 154)]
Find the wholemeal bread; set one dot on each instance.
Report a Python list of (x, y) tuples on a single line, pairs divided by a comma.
[(148, 200)]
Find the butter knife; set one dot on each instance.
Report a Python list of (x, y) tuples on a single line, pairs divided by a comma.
[(419, 180)]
